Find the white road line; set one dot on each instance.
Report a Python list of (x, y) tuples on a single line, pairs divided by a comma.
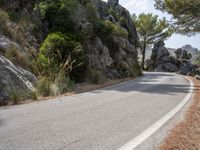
[(148, 132)]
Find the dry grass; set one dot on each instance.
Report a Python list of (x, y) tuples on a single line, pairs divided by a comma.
[(186, 135), (84, 87)]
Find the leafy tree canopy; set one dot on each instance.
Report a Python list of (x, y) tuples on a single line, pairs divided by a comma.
[(185, 12), (150, 30)]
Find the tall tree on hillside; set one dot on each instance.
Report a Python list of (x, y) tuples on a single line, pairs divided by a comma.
[(186, 14), (150, 30)]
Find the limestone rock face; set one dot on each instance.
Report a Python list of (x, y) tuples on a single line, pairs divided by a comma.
[(98, 54), (166, 67), (115, 54), (159, 51), (13, 78), (160, 59)]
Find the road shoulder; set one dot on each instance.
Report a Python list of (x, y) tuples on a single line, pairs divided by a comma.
[(186, 134)]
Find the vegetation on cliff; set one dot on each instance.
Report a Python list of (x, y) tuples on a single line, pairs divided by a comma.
[(68, 41)]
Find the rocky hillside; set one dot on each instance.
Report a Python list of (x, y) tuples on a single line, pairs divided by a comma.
[(162, 60), (190, 50), (67, 40)]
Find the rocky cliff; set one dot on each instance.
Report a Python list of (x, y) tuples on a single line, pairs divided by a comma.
[(108, 37), (115, 54), (162, 60)]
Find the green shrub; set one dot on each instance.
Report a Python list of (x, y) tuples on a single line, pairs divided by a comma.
[(107, 28), (63, 83), (91, 12), (101, 29), (4, 19), (95, 76), (116, 30), (61, 53), (114, 14), (43, 86), (58, 14), (123, 21), (54, 87)]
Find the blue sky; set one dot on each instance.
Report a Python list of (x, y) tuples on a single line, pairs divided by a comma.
[(147, 6)]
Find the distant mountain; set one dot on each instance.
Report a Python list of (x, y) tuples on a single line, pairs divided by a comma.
[(189, 49)]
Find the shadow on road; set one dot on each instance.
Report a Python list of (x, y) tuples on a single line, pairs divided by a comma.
[(150, 84), (1, 122)]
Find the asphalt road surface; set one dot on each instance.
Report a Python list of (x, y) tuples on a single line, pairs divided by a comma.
[(98, 120)]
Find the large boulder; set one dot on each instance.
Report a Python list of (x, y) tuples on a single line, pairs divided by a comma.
[(160, 59), (13, 78), (160, 52), (166, 67), (188, 69)]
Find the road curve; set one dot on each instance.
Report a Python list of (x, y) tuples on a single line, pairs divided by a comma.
[(104, 119)]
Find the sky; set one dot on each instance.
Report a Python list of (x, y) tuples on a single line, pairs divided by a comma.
[(147, 6)]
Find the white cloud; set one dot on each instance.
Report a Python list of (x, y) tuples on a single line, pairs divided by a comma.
[(136, 6), (139, 5)]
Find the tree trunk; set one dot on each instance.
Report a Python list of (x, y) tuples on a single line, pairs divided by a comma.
[(143, 55)]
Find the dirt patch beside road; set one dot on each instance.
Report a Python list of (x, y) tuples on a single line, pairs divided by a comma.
[(186, 134)]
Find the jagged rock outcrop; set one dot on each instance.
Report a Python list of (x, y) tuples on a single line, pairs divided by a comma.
[(13, 78), (108, 52), (162, 61), (99, 56)]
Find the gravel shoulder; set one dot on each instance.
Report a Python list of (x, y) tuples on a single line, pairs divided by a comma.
[(186, 134)]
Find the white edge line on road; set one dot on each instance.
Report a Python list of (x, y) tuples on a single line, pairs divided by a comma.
[(152, 129)]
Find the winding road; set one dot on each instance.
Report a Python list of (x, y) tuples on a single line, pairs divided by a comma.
[(104, 119)]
